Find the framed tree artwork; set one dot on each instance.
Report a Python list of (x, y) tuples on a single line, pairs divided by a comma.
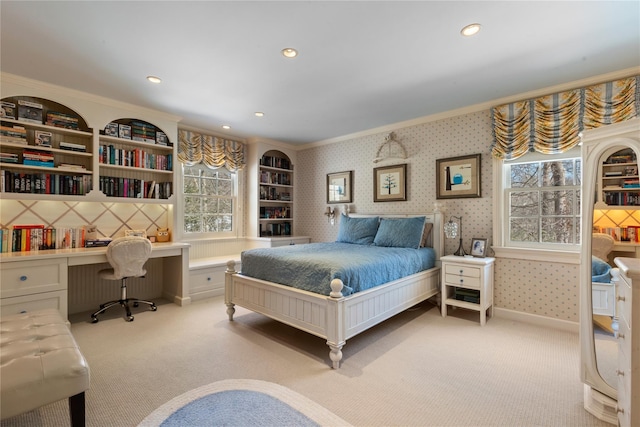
[(458, 177), (390, 183)]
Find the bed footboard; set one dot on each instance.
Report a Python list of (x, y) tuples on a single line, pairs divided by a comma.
[(335, 318)]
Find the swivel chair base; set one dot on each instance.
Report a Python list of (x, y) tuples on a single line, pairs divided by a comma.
[(125, 304)]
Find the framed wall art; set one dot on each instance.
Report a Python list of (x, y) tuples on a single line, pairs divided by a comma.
[(458, 177), (390, 183), (339, 187)]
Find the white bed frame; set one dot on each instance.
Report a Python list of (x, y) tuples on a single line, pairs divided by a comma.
[(336, 318)]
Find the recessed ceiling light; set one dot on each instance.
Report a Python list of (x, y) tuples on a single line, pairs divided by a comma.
[(259, 114), (289, 52), (226, 127), (154, 79), (470, 30)]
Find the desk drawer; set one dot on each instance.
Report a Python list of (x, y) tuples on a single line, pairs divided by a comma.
[(624, 301), (462, 270), (29, 303), (31, 277)]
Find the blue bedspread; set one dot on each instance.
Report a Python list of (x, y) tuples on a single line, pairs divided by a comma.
[(311, 267)]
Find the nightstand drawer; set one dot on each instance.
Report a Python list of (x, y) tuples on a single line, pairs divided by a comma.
[(462, 270), (466, 281), (30, 277)]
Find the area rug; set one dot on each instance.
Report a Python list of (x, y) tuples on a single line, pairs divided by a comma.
[(241, 403)]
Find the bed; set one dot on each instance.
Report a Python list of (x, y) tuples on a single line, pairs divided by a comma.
[(335, 311)]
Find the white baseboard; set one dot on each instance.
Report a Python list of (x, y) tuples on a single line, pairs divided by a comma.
[(536, 319)]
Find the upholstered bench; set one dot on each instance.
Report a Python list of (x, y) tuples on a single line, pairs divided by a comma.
[(40, 363)]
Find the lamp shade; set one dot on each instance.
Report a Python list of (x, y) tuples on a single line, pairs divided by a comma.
[(451, 229)]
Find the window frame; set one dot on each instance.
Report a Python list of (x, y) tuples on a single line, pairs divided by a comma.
[(529, 250), (237, 208)]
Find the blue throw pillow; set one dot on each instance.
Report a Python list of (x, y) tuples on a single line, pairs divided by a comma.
[(360, 231), (400, 232)]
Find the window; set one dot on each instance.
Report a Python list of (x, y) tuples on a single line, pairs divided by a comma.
[(209, 199), (542, 201)]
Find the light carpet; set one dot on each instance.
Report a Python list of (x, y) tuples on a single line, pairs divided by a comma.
[(241, 402)]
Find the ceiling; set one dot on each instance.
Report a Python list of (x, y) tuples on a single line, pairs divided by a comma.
[(362, 64)]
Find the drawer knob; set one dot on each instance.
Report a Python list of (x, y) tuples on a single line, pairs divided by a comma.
[(461, 271), (621, 299), (208, 279), (461, 280), (619, 373), (23, 278), (620, 335), (620, 410)]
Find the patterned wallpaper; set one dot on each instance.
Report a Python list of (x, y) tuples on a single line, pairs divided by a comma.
[(546, 289)]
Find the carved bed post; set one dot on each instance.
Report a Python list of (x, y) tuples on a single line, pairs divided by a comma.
[(228, 288), (335, 322)]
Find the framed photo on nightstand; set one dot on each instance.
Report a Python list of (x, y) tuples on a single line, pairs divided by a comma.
[(478, 247)]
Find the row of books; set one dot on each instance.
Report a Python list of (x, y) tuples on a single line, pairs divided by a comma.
[(275, 162), (44, 183), (272, 193), (37, 158), (62, 120), (267, 177), (276, 229), (275, 212), (13, 133), (622, 198), (629, 233), (135, 188), (137, 157), (137, 131), (32, 237)]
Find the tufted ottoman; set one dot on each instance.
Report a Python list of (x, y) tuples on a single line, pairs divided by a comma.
[(40, 363)]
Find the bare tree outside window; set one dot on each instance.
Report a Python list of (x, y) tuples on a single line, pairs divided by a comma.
[(544, 201), (208, 200)]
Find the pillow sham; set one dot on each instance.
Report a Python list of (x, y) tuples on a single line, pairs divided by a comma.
[(400, 232), (360, 231), (428, 226)]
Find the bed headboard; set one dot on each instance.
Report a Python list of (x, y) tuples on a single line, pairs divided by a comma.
[(436, 238)]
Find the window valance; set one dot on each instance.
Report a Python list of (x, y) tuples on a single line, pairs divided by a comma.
[(214, 152), (552, 124)]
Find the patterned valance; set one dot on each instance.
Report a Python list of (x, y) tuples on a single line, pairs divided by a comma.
[(552, 124), (214, 152)]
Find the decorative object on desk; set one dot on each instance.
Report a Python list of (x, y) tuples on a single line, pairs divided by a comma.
[(391, 149), (163, 235), (331, 215), (339, 188), (43, 138), (458, 177), (451, 231), (139, 233), (90, 232), (478, 247), (390, 183)]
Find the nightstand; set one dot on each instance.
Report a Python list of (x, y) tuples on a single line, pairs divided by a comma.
[(467, 282)]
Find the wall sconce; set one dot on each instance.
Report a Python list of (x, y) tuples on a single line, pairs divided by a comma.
[(331, 215), (451, 232)]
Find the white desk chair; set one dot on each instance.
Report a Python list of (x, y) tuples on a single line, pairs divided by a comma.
[(127, 255)]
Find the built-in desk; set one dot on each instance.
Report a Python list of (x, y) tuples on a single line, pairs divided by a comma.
[(42, 279), (630, 249)]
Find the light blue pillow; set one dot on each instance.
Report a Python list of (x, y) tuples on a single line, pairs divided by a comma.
[(600, 270), (360, 231), (400, 232)]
